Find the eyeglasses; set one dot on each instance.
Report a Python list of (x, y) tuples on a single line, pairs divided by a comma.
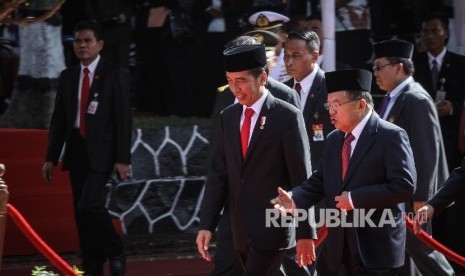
[(378, 68), (329, 106)]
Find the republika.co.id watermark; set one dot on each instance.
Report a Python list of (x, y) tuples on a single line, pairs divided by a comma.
[(334, 218)]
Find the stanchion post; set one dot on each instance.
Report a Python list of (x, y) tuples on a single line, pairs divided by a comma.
[(3, 213)]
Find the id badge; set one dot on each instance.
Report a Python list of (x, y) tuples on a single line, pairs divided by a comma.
[(440, 96), (92, 108), (318, 132)]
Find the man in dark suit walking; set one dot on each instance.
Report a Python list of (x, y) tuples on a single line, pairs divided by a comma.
[(410, 107), (92, 119), (260, 144), (439, 71), (226, 261), (301, 51), (367, 167)]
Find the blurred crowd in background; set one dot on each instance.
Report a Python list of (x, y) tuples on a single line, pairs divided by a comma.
[(173, 48)]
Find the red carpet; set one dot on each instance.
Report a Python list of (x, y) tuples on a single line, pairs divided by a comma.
[(47, 207)]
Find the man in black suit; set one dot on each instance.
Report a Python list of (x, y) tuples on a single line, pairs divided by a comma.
[(367, 167), (226, 261), (453, 189), (439, 71), (92, 118), (301, 51), (246, 167), (409, 106), (301, 54)]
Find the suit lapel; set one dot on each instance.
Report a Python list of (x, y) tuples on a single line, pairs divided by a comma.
[(314, 93), (258, 130), (445, 67), (366, 139), (95, 88), (236, 130), (398, 104), (73, 98)]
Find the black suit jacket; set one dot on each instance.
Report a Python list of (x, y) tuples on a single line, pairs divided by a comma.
[(108, 131), (452, 72), (277, 156), (315, 113), (381, 176), (453, 189)]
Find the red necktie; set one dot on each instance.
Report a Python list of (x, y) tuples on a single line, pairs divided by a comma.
[(346, 148), (84, 96), (461, 133), (245, 130), (298, 87)]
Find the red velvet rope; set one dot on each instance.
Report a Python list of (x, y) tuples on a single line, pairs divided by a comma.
[(40, 244), (431, 242)]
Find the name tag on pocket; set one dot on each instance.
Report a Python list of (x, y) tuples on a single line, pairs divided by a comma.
[(92, 108)]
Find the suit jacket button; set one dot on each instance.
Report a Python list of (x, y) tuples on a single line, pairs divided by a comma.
[(243, 180)]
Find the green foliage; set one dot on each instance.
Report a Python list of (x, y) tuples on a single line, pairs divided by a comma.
[(40, 271)]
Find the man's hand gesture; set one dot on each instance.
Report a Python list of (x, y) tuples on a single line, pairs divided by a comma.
[(284, 203)]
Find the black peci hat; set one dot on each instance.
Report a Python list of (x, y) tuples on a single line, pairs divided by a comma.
[(244, 57), (352, 79), (393, 48)]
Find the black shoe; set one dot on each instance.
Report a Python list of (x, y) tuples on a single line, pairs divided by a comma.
[(92, 269), (118, 265)]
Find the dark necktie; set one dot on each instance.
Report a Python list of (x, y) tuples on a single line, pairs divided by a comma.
[(384, 106), (245, 130), (435, 74), (345, 156), (298, 87), (83, 106)]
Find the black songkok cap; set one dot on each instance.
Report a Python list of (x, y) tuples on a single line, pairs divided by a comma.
[(352, 79), (393, 48), (244, 57)]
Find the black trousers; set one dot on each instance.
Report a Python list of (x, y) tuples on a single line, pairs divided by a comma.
[(228, 262), (98, 239)]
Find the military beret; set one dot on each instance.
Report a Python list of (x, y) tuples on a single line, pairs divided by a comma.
[(268, 38)]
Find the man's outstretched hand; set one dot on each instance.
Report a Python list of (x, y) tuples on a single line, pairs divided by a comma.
[(283, 202)]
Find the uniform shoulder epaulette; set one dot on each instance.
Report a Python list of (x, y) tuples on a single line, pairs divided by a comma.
[(222, 88)]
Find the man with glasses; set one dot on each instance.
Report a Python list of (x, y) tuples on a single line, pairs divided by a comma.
[(367, 165), (409, 106)]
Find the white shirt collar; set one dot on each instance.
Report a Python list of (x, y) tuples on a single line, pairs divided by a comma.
[(439, 58), (357, 131), (257, 106), (399, 88), (92, 66), (306, 85)]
